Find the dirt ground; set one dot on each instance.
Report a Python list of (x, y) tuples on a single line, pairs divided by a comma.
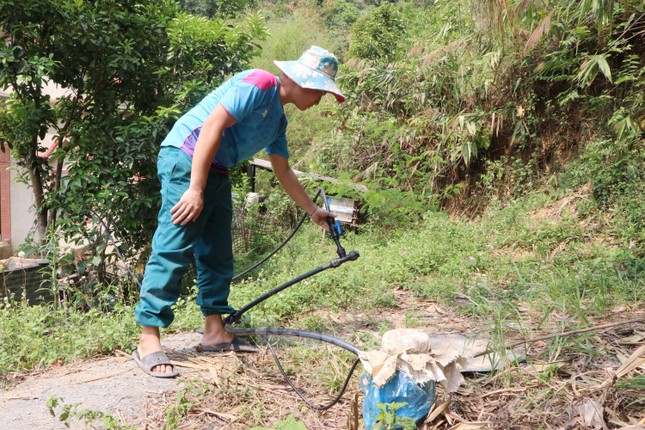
[(114, 385)]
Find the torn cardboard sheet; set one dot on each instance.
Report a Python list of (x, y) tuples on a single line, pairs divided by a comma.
[(411, 352), (439, 358)]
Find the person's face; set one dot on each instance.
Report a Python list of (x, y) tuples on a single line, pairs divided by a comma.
[(307, 97)]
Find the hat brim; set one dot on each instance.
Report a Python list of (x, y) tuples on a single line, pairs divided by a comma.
[(306, 77)]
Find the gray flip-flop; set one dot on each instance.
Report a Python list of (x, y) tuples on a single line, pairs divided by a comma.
[(148, 362), (237, 344)]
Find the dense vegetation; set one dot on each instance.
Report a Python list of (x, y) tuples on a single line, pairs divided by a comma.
[(502, 144)]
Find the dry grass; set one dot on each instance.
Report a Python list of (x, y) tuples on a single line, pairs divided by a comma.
[(580, 382), (575, 392), (247, 391)]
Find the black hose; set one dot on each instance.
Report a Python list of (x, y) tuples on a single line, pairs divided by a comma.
[(332, 227), (237, 315), (264, 332), (292, 332)]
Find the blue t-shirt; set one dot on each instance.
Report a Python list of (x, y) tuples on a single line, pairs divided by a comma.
[(253, 99)]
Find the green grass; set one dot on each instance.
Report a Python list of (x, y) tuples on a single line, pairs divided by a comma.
[(39, 336), (513, 256), (287, 42), (510, 255)]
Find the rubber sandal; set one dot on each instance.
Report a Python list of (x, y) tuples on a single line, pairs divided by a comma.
[(237, 344), (148, 362)]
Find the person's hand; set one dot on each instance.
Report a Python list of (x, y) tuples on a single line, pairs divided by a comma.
[(188, 208), (319, 216)]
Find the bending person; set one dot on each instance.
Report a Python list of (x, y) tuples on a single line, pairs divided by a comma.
[(238, 119)]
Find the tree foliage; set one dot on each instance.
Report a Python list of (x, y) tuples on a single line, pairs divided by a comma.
[(129, 68), (214, 8), (375, 36)]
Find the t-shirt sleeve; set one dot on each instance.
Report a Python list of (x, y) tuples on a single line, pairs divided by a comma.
[(241, 100), (279, 145)]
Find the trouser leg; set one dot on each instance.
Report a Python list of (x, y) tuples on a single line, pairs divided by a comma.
[(213, 250)]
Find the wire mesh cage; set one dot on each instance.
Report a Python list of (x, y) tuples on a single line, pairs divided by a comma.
[(260, 223)]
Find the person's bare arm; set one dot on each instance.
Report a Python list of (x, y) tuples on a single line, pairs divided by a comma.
[(294, 188), (192, 201)]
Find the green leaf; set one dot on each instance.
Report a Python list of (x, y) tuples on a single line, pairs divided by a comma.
[(604, 66)]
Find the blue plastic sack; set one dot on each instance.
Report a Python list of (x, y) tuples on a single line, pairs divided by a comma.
[(399, 389)]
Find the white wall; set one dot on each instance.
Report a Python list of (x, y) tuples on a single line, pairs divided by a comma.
[(22, 211)]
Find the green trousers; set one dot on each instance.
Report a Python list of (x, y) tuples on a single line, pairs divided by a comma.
[(206, 239)]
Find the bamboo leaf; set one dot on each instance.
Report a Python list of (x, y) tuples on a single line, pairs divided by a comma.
[(590, 68), (604, 67), (542, 29)]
